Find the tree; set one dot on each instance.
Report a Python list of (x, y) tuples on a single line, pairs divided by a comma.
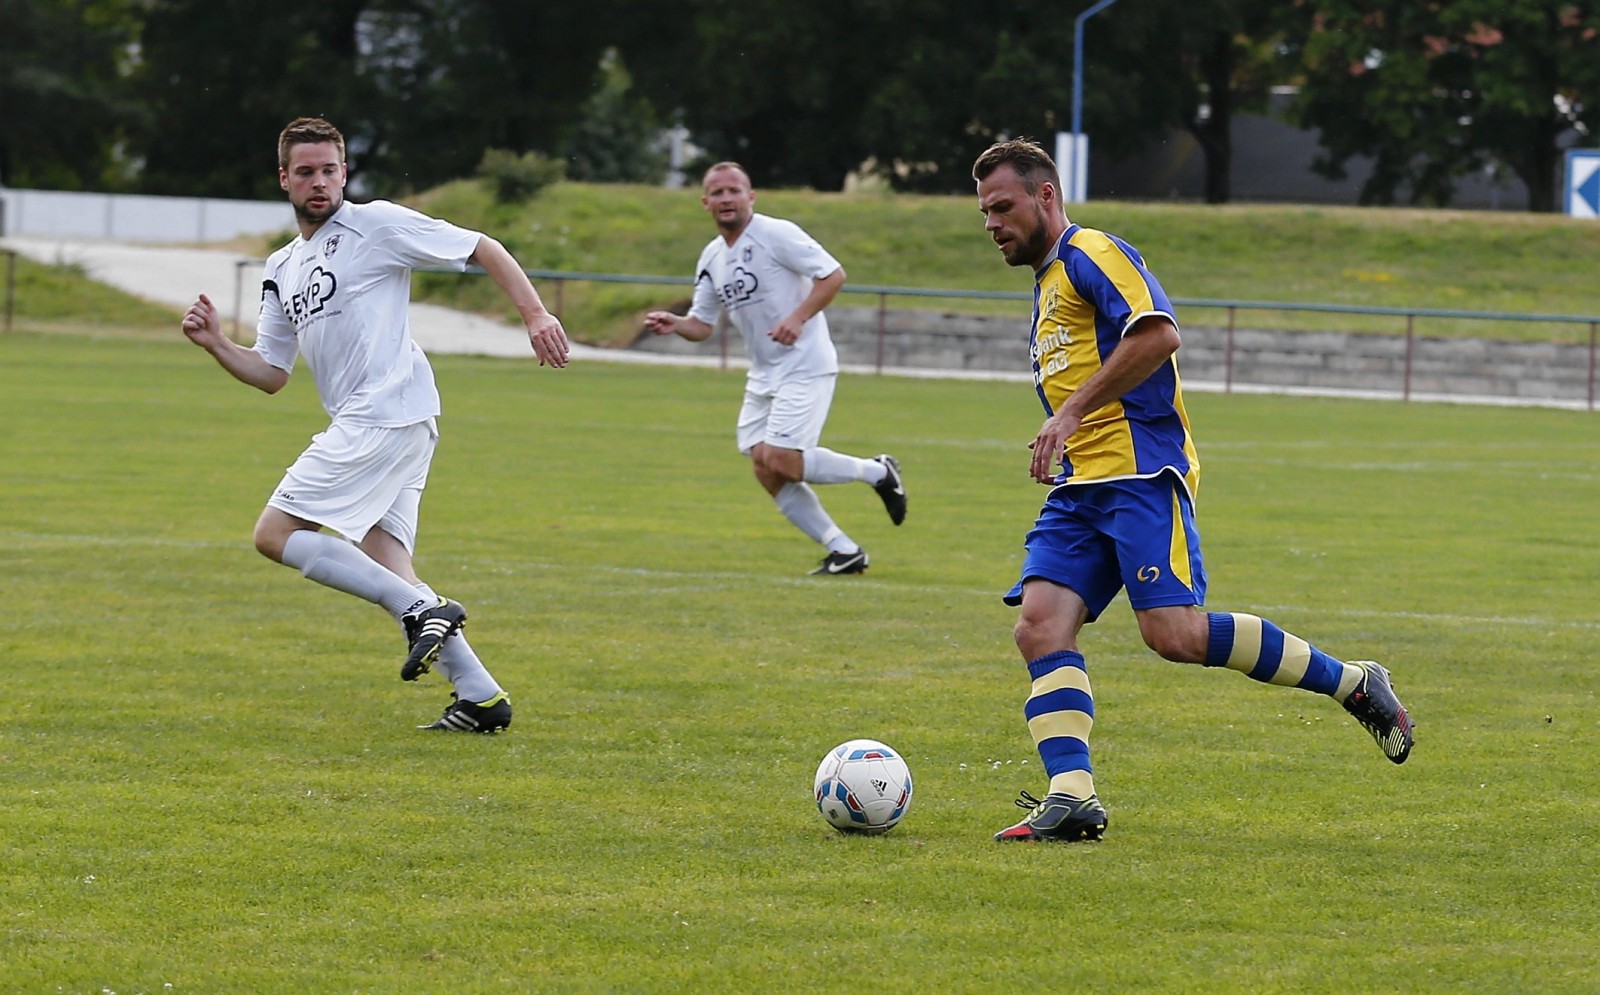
[(455, 77), (1433, 91), (220, 80), (910, 89), (914, 90), (616, 140), (1227, 52), (420, 88), (62, 105)]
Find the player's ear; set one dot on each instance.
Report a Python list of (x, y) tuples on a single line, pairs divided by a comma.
[(283, 179), (1049, 196)]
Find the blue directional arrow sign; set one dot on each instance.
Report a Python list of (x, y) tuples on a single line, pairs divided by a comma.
[(1583, 183)]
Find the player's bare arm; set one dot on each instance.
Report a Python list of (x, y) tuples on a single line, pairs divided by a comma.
[(823, 291), (204, 328), (1144, 347), (545, 334), (667, 323)]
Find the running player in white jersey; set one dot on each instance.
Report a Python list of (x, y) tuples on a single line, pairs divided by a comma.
[(338, 296), (772, 280)]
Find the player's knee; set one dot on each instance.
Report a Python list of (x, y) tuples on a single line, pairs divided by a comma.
[(778, 465), (765, 477), (1036, 637), (269, 544), (270, 539), (1175, 643)]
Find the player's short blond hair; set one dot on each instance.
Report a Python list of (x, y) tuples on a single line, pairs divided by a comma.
[(725, 164), (307, 131)]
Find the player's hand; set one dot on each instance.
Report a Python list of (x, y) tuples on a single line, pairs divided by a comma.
[(201, 324), (661, 322), (1050, 446), (549, 340), (787, 331)]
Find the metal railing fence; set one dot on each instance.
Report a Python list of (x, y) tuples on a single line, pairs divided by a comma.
[(556, 282), (558, 279)]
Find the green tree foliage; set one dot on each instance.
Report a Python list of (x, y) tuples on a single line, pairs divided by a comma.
[(221, 79), (455, 77), (186, 96), (616, 140), (419, 87), (1223, 60), (1433, 91), (62, 99), (516, 178), (914, 89)]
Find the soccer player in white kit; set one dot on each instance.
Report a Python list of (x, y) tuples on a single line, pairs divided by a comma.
[(338, 296), (772, 280)]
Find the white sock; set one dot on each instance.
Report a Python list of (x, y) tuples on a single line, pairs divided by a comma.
[(333, 562), (801, 506), (824, 466), (461, 666)]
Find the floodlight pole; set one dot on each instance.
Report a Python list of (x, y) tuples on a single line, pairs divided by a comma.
[(1077, 166)]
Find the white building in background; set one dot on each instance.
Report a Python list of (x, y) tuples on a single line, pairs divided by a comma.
[(137, 217)]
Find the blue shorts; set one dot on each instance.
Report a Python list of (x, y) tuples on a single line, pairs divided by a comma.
[(1099, 538)]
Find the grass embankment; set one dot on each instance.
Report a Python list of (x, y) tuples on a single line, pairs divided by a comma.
[(61, 298), (1457, 260)]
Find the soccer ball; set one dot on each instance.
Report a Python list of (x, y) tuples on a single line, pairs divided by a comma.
[(862, 787)]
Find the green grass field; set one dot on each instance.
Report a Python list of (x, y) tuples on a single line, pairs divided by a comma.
[(212, 781)]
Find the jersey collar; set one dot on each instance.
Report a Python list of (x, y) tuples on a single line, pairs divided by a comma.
[(1054, 253)]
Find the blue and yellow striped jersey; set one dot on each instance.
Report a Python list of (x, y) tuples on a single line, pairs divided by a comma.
[(1092, 287)]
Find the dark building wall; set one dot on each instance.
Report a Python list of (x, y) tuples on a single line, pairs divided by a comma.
[(1271, 163)]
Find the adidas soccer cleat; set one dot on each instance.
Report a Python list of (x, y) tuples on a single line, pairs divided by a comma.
[(427, 630), (1379, 711), (466, 716), (843, 563), (1059, 818), (892, 488)]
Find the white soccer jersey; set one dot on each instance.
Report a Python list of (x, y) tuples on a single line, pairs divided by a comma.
[(759, 280), (342, 300)]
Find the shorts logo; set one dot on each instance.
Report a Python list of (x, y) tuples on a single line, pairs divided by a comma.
[(1149, 575)]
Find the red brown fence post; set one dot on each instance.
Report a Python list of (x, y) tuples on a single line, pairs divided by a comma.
[(1411, 345), (1227, 360), (883, 311), (1591, 363)]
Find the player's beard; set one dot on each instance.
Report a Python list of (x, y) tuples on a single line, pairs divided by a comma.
[(735, 224), (316, 216), (1030, 251)]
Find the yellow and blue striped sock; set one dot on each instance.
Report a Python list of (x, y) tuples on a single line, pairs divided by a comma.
[(1060, 712), (1263, 652)]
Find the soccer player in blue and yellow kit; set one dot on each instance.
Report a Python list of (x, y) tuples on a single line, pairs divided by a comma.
[(1121, 508)]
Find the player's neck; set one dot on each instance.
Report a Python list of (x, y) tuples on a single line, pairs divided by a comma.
[(731, 234)]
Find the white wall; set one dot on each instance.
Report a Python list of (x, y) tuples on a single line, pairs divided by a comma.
[(136, 218)]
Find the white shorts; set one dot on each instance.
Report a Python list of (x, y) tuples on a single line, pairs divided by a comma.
[(352, 478), (790, 417)]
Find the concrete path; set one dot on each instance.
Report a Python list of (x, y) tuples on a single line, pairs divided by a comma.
[(176, 276)]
